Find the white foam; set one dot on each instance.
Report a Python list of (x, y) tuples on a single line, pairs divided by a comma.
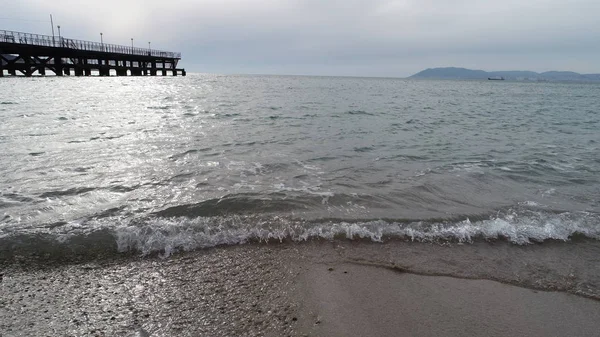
[(532, 204), (170, 235)]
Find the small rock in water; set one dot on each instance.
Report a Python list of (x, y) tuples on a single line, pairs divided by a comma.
[(330, 269)]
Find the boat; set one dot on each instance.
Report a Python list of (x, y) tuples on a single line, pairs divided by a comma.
[(496, 78)]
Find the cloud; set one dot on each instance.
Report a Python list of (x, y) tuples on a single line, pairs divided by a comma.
[(351, 37)]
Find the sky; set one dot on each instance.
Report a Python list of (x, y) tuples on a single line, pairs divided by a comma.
[(383, 38)]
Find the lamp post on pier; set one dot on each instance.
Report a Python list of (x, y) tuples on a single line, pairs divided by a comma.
[(52, 24), (102, 41), (59, 37)]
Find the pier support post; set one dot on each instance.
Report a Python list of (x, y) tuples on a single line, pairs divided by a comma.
[(28, 67), (87, 71), (2, 61), (79, 67), (58, 68), (153, 70), (103, 69)]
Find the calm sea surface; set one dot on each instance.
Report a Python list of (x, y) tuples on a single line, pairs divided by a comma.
[(167, 164)]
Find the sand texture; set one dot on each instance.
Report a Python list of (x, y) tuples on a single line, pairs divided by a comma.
[(360, 300), (315, 289)]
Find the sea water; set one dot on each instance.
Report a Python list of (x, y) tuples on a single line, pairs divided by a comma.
[(166, 164)]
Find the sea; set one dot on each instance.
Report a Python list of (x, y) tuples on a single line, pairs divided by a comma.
[(162, 165)]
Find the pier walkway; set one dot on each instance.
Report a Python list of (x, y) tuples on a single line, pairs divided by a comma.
[(34, 54)]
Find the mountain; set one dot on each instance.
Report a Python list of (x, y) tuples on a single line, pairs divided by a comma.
[(593, 77), (517, 75), (562, 76), (443, 73)]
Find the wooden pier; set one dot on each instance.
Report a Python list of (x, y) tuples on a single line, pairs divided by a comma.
[(32, 54)]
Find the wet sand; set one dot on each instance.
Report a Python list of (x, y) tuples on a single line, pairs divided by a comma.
[(316, 289), (237, 291), (361, 300)]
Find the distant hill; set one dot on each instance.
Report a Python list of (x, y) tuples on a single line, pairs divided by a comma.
[(451, 73), (463, 73), (593, 77)]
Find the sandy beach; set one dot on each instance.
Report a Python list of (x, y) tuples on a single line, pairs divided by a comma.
[(359, 300), (312, 289)]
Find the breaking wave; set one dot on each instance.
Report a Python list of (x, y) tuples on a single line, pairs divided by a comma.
[(168, 235)]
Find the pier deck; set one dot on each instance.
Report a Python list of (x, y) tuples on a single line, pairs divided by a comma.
[(34, 54)]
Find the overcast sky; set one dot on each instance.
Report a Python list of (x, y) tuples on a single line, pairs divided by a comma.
[(393, 38)]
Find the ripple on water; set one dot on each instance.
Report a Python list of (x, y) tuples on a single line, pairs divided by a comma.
[(324, 135)]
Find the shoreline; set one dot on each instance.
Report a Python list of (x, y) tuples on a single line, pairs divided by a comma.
[(289, 290)]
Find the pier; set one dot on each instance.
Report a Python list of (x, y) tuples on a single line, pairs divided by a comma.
[(33, 54)]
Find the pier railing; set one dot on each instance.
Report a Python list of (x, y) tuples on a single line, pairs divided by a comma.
[(61, 42)]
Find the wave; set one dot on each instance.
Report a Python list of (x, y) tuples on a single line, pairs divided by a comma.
[(359, 112), (167, 235)]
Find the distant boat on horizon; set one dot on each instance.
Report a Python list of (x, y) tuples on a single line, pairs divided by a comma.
[(495, 78)]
